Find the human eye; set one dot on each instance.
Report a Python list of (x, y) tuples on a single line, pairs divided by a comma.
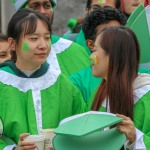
[(34, 6), (48, 38), (33, 38), (47, 5), (3, 54)]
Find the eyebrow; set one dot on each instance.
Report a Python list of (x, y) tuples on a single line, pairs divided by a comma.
[(38, 34)]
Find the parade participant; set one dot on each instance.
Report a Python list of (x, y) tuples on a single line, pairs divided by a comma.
[(66, 56), (96, 20), (123, 91), (4, 48), (34, 96)]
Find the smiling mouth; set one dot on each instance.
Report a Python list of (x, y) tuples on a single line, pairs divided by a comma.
[(41, 54)]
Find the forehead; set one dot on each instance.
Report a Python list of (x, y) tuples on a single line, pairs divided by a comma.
[(106, 3), (3, 45), (38, 1), (110, 23)]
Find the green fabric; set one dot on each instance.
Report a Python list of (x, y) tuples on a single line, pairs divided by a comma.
[(142, 117), (71, 59), (60, 100), (82, 41), (138, 23), (141, 113), (55, 39), (10, 67), (85, 82)]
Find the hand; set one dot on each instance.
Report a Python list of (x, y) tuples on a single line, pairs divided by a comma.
[(25, 145), (127, 127)]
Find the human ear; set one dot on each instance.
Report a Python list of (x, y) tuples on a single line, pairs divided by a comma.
[(12, 43), (90, 44)]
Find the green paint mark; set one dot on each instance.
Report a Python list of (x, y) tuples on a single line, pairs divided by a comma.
[(26, 47)]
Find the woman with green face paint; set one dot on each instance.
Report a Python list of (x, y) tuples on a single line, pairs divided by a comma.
[(34, 96)]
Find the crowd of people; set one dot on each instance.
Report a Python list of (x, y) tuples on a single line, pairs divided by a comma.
[(45, 78)]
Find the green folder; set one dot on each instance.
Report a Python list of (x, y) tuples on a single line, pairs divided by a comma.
[(86, 133), (138, 23), (1, 128), (86, 124)]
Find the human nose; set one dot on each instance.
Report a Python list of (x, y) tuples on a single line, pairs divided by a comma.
[(42, 10), (43, 44)]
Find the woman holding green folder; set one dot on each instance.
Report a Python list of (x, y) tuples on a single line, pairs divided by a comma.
[(123, 91)]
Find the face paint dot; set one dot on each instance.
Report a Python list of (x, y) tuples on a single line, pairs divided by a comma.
[(26, 47), (94, 60)]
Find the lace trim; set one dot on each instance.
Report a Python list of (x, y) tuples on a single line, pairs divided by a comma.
[(138, 93), (25, 84), (61, 45)]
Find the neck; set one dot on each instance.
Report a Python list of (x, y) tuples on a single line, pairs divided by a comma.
[(27, 67)]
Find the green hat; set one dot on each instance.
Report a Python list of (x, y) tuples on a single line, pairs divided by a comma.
[(21, 3), (72, 23), (85, 131), (1, 128)]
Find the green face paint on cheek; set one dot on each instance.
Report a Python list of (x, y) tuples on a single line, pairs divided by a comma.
[(26, 47)]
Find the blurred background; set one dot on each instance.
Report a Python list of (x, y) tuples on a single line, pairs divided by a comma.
[(65, 9)]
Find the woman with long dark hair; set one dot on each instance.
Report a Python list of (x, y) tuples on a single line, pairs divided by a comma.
[(123, 91)]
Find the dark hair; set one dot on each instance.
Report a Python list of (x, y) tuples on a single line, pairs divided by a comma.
[(24, 22), (3, 38), (122, 46), (88, 4), (99, 16), (117, 3)]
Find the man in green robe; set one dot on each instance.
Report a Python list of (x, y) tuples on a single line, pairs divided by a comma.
[(98, 19)]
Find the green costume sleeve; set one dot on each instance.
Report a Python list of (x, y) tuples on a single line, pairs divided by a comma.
[(5, 141), (85, 82), (70, 56), (142, 118)]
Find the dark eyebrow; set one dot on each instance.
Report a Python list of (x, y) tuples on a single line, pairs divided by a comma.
[(37, 34)]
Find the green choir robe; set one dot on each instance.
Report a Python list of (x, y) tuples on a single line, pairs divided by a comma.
[(67, 56), (141, 111), (28, 105)]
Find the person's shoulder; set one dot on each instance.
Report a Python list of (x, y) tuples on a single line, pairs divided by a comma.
[(6, 67), (142, 87)]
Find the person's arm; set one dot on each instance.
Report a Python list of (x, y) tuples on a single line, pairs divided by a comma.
[(78, 105), (7, 143), (136, 139)]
